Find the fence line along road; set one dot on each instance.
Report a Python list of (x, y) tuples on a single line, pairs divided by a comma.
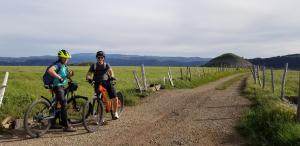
[(255, 73)]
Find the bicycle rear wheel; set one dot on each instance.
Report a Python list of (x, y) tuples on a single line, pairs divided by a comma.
[(37, 118), (93, 115), (75, 108)]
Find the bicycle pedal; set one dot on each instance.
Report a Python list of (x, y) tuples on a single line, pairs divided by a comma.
[(77, 108)]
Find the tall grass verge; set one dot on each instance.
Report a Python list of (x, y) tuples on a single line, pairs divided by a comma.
[(270, 121)]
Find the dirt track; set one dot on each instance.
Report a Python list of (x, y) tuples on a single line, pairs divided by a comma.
[(199, 116)]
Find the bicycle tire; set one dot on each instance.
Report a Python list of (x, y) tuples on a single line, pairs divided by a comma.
[(93, 115), (75, 109), (37, 118)]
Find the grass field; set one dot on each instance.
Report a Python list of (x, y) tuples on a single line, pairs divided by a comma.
[(25, 84), (270, 121)]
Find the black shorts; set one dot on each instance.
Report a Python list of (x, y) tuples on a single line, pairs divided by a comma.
[(111, 90)]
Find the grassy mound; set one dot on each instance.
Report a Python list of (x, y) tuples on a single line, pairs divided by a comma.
[(228, 59)]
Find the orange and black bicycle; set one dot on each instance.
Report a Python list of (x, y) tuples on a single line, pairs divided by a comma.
[(93, 113)]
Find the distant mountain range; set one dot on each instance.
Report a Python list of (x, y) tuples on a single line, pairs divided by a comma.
[(279, 61), (135, 60), (113, 59)]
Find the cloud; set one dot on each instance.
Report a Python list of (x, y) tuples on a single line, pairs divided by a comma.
[(159, 27)]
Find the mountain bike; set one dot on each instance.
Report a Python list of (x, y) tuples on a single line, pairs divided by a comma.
[(93, 113), (42, 113)]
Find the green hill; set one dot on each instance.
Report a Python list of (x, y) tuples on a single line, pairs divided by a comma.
[(228, 59), (279, 61)]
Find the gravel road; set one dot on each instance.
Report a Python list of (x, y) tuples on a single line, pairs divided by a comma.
[(199, 116)]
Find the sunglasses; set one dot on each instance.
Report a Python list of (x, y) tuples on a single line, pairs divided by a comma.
[(100, 57)]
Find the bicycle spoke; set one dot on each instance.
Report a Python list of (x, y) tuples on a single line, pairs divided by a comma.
[(75, 109), (93, 116), (37, 118)]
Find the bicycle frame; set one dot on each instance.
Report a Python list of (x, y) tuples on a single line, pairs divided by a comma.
[(41, 117), (53, 102), (104, 99), (108, 103), (67, 91), (94, 111)]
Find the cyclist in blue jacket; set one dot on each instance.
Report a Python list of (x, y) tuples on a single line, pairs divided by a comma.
[(59, 71)]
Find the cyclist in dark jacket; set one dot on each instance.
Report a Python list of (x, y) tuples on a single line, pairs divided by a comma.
[(60, 73), (103, 73)]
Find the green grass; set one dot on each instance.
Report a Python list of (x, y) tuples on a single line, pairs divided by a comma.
[(25, 84), (270, 121)]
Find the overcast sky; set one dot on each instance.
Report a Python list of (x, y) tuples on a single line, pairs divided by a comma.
[(202, 28)]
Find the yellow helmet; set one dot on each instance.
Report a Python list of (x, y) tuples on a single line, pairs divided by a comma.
[(64, 54)]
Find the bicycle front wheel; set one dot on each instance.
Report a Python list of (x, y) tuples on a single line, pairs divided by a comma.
[(37, 118), (75, 108), (93, 115)]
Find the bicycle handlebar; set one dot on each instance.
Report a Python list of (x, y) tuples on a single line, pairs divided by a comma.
[(112, 79)]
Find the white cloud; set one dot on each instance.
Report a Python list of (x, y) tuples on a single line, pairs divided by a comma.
[(204, 28)]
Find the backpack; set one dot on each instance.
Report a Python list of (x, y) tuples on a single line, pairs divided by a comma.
[(47, 78), (95, 66)]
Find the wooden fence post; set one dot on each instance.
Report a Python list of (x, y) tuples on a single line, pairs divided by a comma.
[(137, 81), (187, 73), (283, 80), (272, 78), (298, 108), (258, 77), (169, 68), (190, 73), (144, 77), (221, 67), (253, 73), (3, 86), (264, 77), (170, 79), (181, 73)]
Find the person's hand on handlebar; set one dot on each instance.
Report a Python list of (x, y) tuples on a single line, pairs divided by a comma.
[(61, 80), (113, 78), (90, 81)]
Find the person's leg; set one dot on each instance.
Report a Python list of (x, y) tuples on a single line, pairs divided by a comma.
[(96, 90), (54, 124), (60, 96), (114, 98), (115, 104)]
